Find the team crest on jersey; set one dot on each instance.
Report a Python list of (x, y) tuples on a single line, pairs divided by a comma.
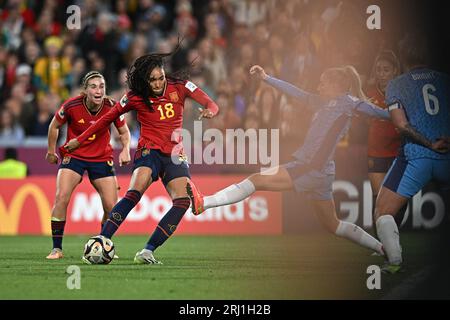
[(173, 96), (123, 102), (66, 160), (145, 152), (190, 86)]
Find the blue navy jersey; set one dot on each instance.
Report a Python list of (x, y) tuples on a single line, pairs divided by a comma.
[(329, 125), (424, 96)]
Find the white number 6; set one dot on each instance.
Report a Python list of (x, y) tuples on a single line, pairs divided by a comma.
[(427, 97)]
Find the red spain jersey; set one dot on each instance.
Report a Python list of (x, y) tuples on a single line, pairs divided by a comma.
[(384, 139), (159, 123), (75, 113)]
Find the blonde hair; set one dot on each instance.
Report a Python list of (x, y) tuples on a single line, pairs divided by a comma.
[(348, 78)]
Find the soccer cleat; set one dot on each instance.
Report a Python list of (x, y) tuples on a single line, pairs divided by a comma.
[(116, 256), (196, 198), (55, 254), (391, 268), (145, 256)]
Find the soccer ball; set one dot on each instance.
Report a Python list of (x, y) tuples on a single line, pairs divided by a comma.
[(98, 250)]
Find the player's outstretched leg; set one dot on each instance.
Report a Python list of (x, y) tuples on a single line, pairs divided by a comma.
[(274, 179), (232, 194)]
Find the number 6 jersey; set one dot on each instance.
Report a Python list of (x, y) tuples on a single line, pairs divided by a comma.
[(424, 96)]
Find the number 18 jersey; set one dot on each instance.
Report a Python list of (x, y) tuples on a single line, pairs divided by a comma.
[(424, 95)]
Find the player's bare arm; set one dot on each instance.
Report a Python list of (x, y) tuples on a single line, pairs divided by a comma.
[(124, 156), (407, 130), (53, 131)]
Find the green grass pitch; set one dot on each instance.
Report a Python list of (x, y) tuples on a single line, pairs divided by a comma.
[(309, 266)]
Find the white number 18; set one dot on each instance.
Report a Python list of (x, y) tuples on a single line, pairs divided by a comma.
[(431, 101)]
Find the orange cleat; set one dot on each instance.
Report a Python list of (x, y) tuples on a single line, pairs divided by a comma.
[(55, 254), (196, 198)]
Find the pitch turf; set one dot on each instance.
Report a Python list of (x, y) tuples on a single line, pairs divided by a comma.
[(309, 266)]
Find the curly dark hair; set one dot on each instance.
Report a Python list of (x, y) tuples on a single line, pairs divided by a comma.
[(139, 72)]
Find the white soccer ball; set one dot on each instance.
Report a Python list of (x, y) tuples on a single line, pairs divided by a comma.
[(98, 250)]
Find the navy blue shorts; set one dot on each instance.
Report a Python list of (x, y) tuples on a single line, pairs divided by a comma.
[(379, 165), (96, 170), (161, 164)]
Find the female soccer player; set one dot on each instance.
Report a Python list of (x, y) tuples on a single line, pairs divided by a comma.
[(159, 102), (313, 169), (384, 139), (95, 157), (418, 102)]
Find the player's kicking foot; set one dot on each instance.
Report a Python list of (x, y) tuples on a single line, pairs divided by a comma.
[(56, 253), (196, 198), (145, 256), (116, 256), (391, 268)]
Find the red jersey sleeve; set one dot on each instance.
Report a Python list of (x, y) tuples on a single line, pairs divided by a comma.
[(123, 106), (194, 92), (61, 115)]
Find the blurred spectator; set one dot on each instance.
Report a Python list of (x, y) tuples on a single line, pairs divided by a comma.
[(11, 167), (47, 106), (11, 133), (52, 72), (213, 60), (46, 25), (32, 52)]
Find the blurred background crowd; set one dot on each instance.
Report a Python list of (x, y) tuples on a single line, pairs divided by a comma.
[(42, 61)]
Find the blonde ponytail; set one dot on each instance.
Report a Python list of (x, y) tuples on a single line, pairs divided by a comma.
[(349, 78), (355, 82)]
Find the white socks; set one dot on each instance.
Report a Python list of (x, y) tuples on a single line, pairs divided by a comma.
[(229, 195), (356, 234), (388, 233)]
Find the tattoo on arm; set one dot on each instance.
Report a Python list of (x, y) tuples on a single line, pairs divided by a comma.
[(411, 133)]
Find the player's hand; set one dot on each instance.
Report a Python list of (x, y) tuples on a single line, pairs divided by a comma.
[(442, 145), (124, 158), (205, 113), (72, 145), (52, 158), (258, 71)]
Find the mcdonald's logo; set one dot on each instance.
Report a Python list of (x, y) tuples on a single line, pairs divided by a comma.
[(10, 215)]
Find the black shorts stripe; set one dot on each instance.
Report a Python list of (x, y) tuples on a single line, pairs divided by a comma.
[(396, 174)]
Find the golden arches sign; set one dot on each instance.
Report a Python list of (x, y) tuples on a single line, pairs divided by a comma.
[(10, 217)]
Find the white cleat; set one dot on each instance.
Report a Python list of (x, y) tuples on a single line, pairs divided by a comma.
[(145, 256)]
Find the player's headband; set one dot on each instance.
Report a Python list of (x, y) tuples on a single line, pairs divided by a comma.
[(90, 75)]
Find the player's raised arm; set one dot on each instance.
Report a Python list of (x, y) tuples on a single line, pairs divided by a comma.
[(283, 86), (210, 107)]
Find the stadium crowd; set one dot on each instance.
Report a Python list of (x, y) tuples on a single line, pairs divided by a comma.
[(42, 61)]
